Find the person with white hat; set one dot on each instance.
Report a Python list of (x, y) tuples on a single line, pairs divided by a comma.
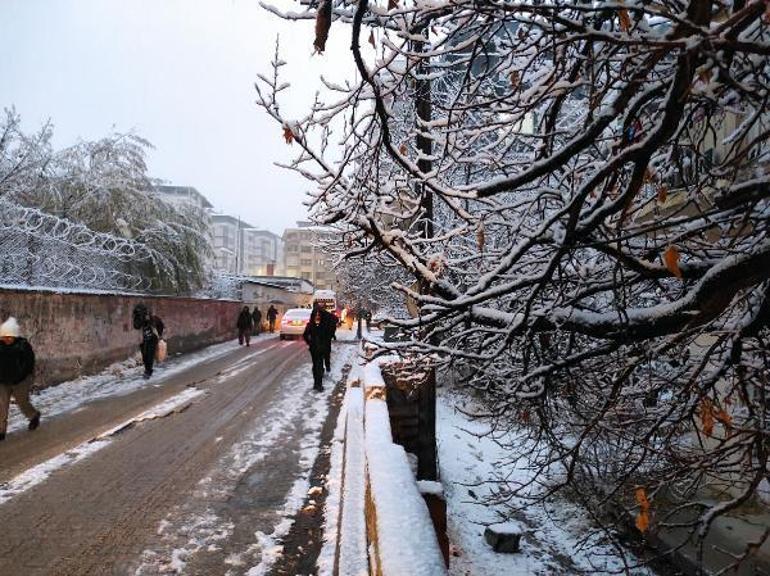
[(17, 363)]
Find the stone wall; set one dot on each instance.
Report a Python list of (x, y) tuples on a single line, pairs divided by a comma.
[(79, 333)]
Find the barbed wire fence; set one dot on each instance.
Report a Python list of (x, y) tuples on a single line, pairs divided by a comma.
[(42, 250)]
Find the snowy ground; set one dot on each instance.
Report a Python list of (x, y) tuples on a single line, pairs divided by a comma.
[(118, 379), (554, 540), (40, 473), (291, 423), (197, 528)]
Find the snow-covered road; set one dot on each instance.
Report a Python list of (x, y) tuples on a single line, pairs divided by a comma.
[(198, 471)]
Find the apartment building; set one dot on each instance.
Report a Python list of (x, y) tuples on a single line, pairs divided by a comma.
[(227, 243), (305, 257), (262, 253)]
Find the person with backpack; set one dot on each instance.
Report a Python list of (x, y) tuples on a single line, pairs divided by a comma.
[(245, 326), (272, 314), (256, 317), (152, 331), (17, 364)]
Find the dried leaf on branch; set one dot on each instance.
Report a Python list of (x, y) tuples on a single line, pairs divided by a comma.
[(323, 22), (514, 78), (625, 20), (643, 518), (706, 414), (480, 237), (671, 260), (288, 135)]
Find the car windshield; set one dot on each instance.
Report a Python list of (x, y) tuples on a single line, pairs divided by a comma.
[(297, 314)]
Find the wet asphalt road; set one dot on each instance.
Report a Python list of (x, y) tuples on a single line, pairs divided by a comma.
[(182, 493)]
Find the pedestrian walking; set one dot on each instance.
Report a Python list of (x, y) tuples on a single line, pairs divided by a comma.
[(256, 317), (272, 314), (245, 325), (152, 328), (17, 364), (330, 320), (317, 337)]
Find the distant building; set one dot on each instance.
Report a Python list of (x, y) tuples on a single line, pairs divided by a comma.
[(262, 253), (239, 248), (183, 196), (280, 291), (304, 256), (227, 242)]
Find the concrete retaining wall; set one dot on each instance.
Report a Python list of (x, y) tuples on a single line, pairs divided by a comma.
[(75, 333)]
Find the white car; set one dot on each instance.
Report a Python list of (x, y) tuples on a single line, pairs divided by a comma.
[(293, 322)]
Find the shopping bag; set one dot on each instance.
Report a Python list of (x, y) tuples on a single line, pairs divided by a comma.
[(161, 351)]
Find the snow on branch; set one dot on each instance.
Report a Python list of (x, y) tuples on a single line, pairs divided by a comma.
[(580, 191)]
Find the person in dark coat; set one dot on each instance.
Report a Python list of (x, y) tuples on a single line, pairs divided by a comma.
[(272, 314), (256, 317), (17, 365), (245, 325), (152, 331), (331, 328), (318, 338)]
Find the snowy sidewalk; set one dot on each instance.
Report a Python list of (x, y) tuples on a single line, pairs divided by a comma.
[(557, 539)]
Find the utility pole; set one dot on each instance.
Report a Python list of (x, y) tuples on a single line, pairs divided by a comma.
[(238, 243)]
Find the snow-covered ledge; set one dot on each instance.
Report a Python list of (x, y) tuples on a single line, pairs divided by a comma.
[(375, 494)]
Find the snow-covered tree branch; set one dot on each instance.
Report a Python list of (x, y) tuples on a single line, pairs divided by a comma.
[(600, 183)]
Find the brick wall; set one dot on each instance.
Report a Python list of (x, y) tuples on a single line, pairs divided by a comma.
[(75, 334)]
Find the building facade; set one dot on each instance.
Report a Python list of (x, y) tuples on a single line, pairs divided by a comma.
[(241, 249), (183, 197), (305, 256), (227, 244), (262, 253)]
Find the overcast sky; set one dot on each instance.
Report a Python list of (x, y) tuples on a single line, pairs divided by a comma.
[(179, 73)]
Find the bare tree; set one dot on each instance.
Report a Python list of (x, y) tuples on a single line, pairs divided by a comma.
[(600, 180)]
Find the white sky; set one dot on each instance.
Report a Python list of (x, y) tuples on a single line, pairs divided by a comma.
[(179, 73)]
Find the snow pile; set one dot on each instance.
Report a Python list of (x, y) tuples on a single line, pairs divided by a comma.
[(353, 557), (397, 503), (346, 476), (373, 376), (363, 452)]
